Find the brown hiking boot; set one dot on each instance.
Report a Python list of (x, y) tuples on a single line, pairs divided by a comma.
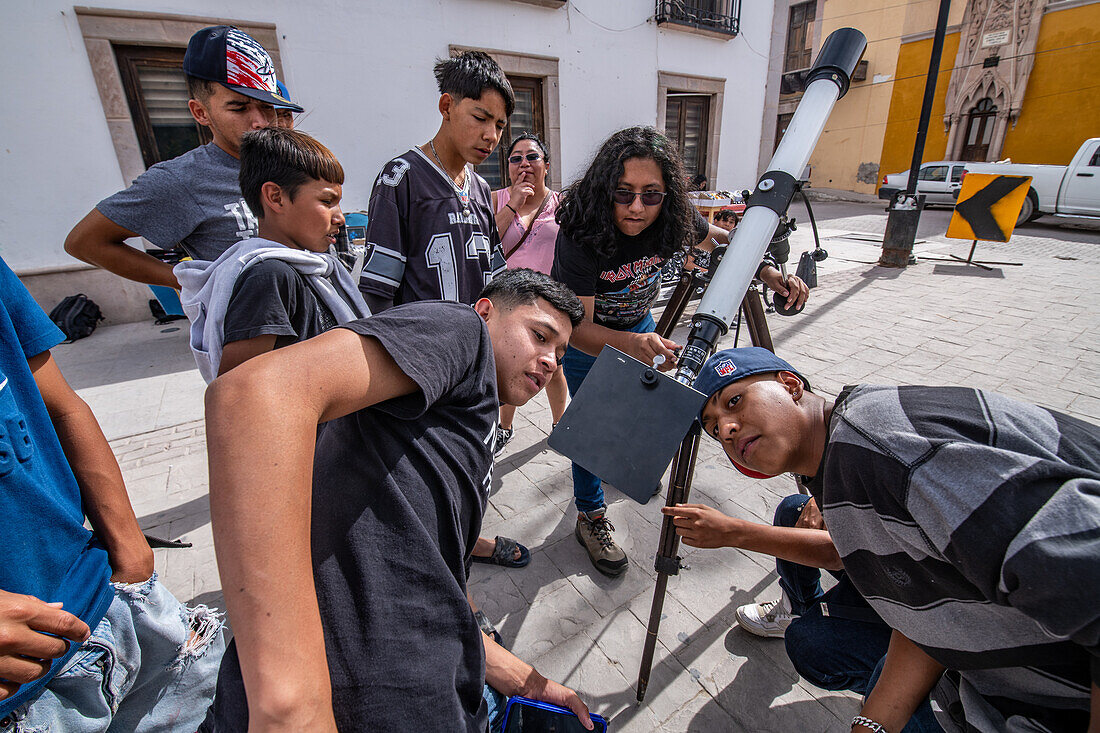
[(594, 532)]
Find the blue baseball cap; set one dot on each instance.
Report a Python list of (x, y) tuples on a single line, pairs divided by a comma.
[(730, 365), (285, 94)]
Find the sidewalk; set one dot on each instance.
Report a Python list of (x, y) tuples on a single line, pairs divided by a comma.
[(1032, 332)]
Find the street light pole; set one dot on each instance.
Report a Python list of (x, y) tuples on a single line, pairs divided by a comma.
[(905, 207)]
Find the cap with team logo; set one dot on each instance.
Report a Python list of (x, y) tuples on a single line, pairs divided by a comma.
[(234, 59), (730, 365)]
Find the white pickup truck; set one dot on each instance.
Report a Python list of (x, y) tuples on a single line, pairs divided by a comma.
[(1061, 190)]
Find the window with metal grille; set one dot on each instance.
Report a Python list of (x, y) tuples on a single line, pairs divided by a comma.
[(722, 16), (156, 91), (800, 37), (527, 117), (687, 121)]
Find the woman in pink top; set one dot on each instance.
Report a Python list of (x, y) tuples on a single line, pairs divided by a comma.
[(528, 232)]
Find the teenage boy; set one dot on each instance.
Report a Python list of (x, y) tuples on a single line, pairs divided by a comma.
[(344, 565), (432, 232), (191, 203), (89, 638), (282, 286), (966, 519)]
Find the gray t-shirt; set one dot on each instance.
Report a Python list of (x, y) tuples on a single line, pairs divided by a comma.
[(192, 202)]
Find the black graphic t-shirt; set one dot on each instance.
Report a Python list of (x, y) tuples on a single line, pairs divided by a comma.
[(625, 286)]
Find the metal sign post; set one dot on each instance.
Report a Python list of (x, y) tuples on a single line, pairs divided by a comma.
[(905, 208)]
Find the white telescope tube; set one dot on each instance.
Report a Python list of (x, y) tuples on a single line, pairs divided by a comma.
[(754, 232)]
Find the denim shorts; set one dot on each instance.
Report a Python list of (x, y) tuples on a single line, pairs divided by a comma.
[(149, 666)]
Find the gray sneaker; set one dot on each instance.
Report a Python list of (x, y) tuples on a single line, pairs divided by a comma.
[(594, 532)]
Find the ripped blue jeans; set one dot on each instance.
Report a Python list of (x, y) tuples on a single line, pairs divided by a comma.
[(149, 666)]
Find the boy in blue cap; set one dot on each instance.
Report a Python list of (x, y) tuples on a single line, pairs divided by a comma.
[(959, 515)]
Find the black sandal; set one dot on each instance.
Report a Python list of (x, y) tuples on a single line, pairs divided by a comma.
[(504, 554)]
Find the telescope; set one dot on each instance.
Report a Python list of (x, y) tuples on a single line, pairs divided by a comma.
[(628, 420)]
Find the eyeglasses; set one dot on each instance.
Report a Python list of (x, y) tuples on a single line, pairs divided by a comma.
[(531, 158), (649, 198)]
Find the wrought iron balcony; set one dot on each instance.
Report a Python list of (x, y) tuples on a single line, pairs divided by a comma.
[(720, 16)]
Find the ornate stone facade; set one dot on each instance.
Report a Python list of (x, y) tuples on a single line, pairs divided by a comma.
[(994, 61)]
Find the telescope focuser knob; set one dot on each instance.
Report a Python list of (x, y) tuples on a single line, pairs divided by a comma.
[(780, 303)]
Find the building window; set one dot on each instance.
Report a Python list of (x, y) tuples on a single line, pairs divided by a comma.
[(800, 37), (156, 91), (781, 124), (105, 33), (686, 124), (718, 16), (979, 130), (689, 112), (527, 117)]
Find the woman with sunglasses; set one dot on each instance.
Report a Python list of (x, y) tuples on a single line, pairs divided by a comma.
[(618, 224), (525, 214)]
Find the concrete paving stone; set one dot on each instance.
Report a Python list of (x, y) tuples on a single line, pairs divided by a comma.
[(542, 575), (539, 463), (524, 438), (493, 591), (719, 582), (752, 679), (541, 524), (492, 522), (514, 493), (552, 619), (621, 638), (1086, 405), (701, 714), (579, 664)]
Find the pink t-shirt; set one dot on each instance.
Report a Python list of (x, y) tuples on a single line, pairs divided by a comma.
[(537, 251)]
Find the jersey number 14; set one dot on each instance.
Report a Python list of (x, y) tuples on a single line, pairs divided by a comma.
[(441, 258)]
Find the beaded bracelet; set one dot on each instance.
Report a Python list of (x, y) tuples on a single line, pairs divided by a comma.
[(868, 724)]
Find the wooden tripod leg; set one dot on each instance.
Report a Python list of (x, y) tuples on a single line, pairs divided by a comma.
[(675, 306), (755, 320), (668, 563)]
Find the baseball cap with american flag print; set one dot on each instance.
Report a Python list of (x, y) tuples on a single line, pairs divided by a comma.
[(234, 59)]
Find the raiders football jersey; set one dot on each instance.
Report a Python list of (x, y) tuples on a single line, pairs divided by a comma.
[(426, 240)]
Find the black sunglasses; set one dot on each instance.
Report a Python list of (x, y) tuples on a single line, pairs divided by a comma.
[(649, 198), (531, 158)]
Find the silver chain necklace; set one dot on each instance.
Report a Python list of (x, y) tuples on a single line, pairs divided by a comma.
[(460, 191)]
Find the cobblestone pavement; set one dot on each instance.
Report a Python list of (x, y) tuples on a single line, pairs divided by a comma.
[(1031, 331)]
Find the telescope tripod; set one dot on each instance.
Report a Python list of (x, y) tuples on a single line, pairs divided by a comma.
[(683, 465)]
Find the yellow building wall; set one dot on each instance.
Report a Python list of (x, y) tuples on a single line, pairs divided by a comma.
[(905, 105), (853, 135), (1061, 107), (848, 154)]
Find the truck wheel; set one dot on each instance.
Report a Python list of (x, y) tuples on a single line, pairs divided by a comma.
[(1030, 210)]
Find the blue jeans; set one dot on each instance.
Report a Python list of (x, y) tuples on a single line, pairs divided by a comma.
[(149, 666), (497, 704), (587, 489), (841, 651)]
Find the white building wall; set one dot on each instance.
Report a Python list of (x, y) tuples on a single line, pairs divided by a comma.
[(362, 70)]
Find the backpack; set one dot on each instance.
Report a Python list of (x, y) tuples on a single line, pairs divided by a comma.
[(77, 316)]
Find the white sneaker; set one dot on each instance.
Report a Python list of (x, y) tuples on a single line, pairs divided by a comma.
[(766, 619)]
